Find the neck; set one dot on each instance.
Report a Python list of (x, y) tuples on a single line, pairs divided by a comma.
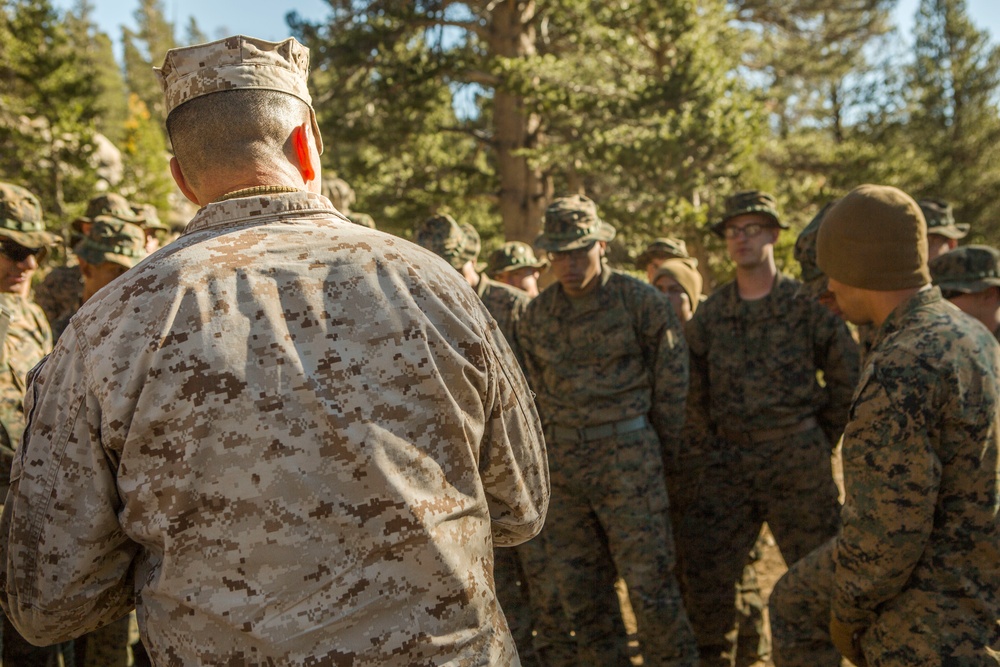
[(257, 191), (881, 304), (756, 282)]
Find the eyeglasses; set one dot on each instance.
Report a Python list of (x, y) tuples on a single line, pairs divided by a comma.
[(750, 231), (17, 253)]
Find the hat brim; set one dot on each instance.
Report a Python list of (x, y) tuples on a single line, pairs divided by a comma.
[(957, 231), (33, 240), (604, 233), (968, 287), (92, 255), (539, 265), (719, 228)]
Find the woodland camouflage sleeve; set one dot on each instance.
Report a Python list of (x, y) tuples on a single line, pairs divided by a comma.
[(699, 432), (65, 560), (663, 338), (892, 475), (837, 356)]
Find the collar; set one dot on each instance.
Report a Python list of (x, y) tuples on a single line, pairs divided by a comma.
[(897, 319), (261, 207)]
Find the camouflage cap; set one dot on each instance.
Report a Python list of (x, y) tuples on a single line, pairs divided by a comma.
[(968, 269), (684, 270), (150, 218), (940, 217), (511, 256), (442, 235), (572, 222), (749, 201), (21, 218), (108, 204), (472, 246), (112, 240), (662, 248), (236, 63), (814, 282)]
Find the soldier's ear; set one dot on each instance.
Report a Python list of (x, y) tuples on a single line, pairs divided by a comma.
[(306, 152), (175, 171)]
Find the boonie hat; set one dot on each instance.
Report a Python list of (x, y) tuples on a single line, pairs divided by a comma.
[(968, 269), (571, 223), (112, 240), (661, 248), (108, 204), (748, 201), (511, 256), (21, 218), (940, 217), (441, 235), (237, 63)]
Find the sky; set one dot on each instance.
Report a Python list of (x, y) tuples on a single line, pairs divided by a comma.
[(266, 18)]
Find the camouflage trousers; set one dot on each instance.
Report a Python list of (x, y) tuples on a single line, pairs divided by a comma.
[(789, 484), (608, 514), (529, 597), (915, 629)]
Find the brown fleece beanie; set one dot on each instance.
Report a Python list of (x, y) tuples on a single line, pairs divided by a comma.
[(875, 238), (685, 272)]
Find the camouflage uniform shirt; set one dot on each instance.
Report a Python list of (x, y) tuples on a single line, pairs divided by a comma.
[(290, 440), (615, 354), (754, 363), (918, 558), (28, 340), (506, 304), (61, 292)]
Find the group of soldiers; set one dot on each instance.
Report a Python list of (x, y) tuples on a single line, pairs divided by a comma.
[(675, 425)]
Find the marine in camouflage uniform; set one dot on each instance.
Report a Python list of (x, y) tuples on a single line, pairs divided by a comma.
[(761, 426), (25, 338), (943, 233), (288, 439), (969, 277), (514, 263), (912, 577), (61, 291), (605, 355), (658, 252)]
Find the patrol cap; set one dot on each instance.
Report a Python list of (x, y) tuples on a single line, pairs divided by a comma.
[(814, 282), (940, 217), (108, 204), (968, 269), (237, 63), (748, 201), (571, 223), (442, 235), (21, 218), (875, 238), (685, 271), (150, 218), (511, 256), (112, 240), (661, 248)]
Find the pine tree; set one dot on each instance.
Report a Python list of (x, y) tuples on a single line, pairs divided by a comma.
[(144, 49)]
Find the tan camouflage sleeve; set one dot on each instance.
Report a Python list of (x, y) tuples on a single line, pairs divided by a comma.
[(837, 356), (65, 560), (891, 476), (513, 464)]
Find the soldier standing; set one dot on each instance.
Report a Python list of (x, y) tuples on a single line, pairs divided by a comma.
[(761, 427), (25, 338), (943, 233), (514, 263), (969, 277), (911, 579), (658, 252), (285, 438), (605, 355)]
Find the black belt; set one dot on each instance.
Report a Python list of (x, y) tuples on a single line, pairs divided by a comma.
[(748, 438), (599, 432)]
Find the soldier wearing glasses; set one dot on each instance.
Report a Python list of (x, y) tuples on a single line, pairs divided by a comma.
[(761, 424), (605, 355), (26, 338)]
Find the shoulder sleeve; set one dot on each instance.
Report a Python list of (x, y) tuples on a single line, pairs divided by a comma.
[(65, 560), (513, 464), (836, 354), (891, 476), (698, 430)]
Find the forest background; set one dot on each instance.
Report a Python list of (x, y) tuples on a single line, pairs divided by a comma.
[(656, 109)]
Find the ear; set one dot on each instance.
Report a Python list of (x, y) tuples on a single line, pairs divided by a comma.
[(302, 142), (175, 171)]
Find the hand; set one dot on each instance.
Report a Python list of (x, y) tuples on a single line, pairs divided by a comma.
[(847, 638)]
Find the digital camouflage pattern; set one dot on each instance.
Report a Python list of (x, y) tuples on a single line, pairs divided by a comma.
[(749, 201), (613, 355), (234, 63), (282, 457), (662, 248), (918, 557), (111, 240), (968, 269), (21, 218), (60, 293), (754, 367), (940, 218), (112, 205), (506, 304), (511, 256), (572, 223), (444, 237)]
